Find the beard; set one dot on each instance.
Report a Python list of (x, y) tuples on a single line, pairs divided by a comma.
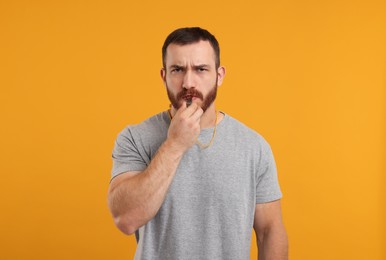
[(177, 100)]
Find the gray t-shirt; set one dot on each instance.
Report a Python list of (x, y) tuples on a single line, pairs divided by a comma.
[(209, 209)]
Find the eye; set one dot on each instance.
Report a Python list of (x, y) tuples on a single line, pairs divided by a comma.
[(176, 70), (201, 69)]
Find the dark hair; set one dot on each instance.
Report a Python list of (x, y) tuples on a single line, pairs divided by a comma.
[(188, 35)]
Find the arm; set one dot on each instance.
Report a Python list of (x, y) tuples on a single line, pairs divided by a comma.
[(271, 236), (135, 197)]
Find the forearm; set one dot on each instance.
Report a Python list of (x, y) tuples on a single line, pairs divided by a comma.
[(273, 244), (136, 200)]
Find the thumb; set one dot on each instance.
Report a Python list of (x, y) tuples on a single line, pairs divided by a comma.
[(181, 109)]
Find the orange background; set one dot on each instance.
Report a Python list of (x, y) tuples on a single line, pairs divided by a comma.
[(308, 75)]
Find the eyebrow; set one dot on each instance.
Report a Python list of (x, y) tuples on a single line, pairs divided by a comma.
[(174, 66), (200, 66)]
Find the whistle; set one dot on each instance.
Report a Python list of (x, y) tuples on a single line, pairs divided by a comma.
[(188, 102)]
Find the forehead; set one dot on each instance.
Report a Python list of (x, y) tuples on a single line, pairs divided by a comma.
[(195, 53)]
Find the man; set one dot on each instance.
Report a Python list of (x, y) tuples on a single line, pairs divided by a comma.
[(192, 182)]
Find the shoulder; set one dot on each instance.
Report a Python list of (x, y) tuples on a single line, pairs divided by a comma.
[(244, 133), (153, 126)]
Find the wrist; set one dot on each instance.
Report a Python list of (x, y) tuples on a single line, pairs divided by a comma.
[(172, 147)]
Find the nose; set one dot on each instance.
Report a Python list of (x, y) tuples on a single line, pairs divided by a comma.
[(189, 81)]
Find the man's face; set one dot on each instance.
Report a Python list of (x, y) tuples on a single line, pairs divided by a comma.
[(190, 73)]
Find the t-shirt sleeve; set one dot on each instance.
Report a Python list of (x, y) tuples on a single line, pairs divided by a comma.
[(267, 186), (126, 154)]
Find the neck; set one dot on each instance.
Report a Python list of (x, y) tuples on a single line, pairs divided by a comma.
[(208, 119)]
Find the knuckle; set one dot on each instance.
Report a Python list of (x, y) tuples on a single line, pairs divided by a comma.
[(183, 119), (191, 124)]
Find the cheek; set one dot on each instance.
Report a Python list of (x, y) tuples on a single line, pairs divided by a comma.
[(174, 81), (210, 82)]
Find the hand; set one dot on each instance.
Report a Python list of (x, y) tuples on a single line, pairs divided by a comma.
[(185, 126)]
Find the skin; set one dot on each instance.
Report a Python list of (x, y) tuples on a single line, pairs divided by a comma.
[(134, 199), (192, 68), (272, 241)]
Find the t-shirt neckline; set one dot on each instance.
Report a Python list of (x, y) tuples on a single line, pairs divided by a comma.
[(225, 118)]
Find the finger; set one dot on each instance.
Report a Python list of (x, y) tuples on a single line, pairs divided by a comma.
[(181, 109), (189, 111), (198, 113)]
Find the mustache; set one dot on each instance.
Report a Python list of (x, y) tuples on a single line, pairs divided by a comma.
[(189, 93)]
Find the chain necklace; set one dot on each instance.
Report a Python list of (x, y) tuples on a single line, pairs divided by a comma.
[(201, 145)]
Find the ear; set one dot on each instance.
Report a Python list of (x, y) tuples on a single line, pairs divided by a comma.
[(163, 75), (220, 75)]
